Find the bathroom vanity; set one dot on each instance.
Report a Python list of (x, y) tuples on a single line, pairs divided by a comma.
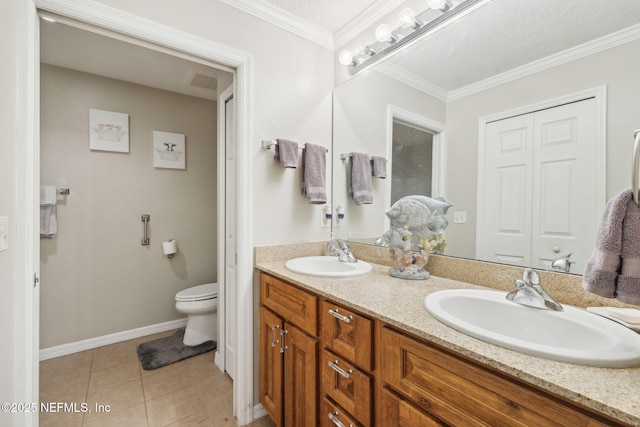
[(363, 351)]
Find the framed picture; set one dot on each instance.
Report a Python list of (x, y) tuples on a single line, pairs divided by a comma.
[(169, 150), (108, 131)]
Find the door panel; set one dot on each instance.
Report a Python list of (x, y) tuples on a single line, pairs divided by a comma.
[(539, 180)]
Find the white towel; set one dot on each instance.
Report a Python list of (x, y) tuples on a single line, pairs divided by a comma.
[(48, 195), (48, 211)]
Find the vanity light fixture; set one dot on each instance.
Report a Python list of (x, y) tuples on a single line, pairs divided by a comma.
[(411, 28)]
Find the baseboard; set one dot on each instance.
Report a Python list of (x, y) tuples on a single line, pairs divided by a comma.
[(88, 344), (259, 412)]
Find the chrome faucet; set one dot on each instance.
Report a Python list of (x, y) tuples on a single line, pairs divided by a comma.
[(562, 263), (529, 292), (339, 247)]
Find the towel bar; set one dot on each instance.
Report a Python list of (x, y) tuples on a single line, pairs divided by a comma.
[(268, 143), (636, 165), (64, 191)]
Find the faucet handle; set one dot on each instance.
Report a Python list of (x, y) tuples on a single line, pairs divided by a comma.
[(530, 276)]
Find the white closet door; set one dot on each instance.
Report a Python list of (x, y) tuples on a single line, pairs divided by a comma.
[(539, 183), (564, 182), (506, 235)]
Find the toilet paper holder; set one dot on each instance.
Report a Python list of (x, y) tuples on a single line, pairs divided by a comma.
[(170, 247)]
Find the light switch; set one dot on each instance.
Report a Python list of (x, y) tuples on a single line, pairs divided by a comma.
[(4, 233), (460, 217)]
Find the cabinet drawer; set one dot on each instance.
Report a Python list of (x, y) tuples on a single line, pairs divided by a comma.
[(466, 394), (332, 415), (347, 333), (293, 304), (397, 412), (347, 385)]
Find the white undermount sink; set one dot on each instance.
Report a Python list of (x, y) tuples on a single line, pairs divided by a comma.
[(327, 266), (573, 335)]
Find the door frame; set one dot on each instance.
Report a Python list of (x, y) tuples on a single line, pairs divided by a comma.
[(439, 145), (600, 96), (175, 42)]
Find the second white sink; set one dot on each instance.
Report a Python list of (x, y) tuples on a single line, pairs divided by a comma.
[(327, 266), (573, 335)]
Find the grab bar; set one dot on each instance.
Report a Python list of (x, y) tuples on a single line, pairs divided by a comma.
[(145, 221), (636, 165)]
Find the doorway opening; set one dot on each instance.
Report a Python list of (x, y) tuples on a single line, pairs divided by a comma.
[(181, 44)]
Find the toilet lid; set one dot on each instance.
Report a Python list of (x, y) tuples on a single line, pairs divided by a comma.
[(198, 293)]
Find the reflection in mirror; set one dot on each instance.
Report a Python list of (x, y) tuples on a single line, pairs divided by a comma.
[(506, 59), (411, 160)]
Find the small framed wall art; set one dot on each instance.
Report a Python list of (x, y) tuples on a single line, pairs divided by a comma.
[(169, 150), (108, 131)]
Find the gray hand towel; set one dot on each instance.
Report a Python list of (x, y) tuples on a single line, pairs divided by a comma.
[(286, 153), (313, 174), (613, 271), (379, 167), (359, 179)]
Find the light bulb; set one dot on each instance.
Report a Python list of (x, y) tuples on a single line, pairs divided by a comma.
[(383, 33), (407, 18), (345, 57), (438, 4)]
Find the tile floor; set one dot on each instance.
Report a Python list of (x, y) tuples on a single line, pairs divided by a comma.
[(192, 392)]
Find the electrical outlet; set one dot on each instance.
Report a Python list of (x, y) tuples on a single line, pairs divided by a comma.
[(460, 217), (4, 233)]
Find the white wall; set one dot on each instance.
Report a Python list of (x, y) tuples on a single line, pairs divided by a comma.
[(96, 266), (293, 79), (9, 260), (614, 68)]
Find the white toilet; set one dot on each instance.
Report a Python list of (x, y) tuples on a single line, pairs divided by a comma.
[(200, 303)]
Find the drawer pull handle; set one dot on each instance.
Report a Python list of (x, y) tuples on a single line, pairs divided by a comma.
[(283, 347), (334, 365), (334, 417), (274, 341), (339, 316)]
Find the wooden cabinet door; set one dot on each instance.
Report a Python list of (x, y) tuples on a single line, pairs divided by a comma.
[(301, 381), (271, 365)]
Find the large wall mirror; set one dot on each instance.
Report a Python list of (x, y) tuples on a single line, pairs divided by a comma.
[(521, 114)]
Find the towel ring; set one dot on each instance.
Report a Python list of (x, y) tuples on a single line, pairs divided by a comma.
[(636, 165)]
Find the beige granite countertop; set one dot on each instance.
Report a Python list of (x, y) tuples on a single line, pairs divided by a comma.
[(615, 392)]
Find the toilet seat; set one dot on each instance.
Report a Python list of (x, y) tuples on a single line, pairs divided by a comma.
[(198, 293)]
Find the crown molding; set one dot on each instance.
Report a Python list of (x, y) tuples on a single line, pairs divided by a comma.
[(284, 20), (413, 81), (607, 42), (366, 19)]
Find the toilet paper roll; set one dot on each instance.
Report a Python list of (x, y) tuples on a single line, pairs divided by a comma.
[(170, 247)]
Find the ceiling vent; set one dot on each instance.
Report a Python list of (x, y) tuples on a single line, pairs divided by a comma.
[(203, 81)]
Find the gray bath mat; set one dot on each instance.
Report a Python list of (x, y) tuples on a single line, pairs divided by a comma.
[(165, 351)]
